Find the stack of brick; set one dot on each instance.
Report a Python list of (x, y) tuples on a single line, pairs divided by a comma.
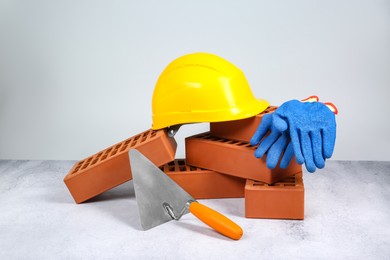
[(276, 193), (218, 164)]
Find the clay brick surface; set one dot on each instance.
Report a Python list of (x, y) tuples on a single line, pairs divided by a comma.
[(111, 167), (281, 200), (204, 184), (241, 130), (233, 158)]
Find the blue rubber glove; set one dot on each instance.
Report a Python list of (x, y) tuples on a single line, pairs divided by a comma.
[(273, 144), (310, 126)]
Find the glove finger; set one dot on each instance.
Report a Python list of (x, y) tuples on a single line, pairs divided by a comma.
[(329, 136), (287, 156), (279, 123), (296, 144), (266, 143), (276, 150), (262, 129), (317, 149), (307, 152)]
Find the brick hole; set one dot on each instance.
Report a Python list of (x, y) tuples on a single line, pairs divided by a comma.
[(171, 163), (192, 168), (182, 168), (114, 152), (143, 138), (259, 184), (270, 109), (76, 170), (85, 165), (153, 133), (103, 157), (94, 161), (171, 168), (290, 179), (125, 144), (181, 162), (204, 136), (80, 163), (134, 140), (264, 112)]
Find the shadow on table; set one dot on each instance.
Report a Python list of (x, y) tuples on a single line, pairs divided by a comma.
[(123, 191), (119, 203), (201, 228)]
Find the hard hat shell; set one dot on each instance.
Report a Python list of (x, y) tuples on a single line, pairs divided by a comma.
[(202, 87)]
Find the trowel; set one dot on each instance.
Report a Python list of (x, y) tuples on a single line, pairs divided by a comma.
[(160, 199)]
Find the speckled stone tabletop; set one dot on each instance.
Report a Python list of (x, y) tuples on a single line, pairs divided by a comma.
[(347, 216)]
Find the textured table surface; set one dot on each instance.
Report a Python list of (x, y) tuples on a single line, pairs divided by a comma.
[(347, 215)]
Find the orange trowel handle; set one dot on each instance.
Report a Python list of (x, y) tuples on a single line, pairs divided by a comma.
[(216, 220)]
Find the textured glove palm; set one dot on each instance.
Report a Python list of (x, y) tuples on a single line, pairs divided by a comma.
[(306, 130)]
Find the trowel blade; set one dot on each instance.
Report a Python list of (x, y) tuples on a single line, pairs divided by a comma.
[(152, 189)]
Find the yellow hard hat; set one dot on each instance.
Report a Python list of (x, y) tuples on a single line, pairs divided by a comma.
[(202, 87)]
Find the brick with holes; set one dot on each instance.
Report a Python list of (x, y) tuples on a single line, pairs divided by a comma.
[(281, 200), (204, 184), (111, 167), (233, 158), (241, 130)]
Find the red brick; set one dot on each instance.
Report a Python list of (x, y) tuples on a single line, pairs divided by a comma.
[(281, 200), (241, 130), (111, 167), (233, 158), (202, 183)]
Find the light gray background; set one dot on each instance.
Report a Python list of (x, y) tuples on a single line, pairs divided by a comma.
[(78, 76)]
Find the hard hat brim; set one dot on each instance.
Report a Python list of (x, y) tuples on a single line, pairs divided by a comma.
[(228, 114)]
